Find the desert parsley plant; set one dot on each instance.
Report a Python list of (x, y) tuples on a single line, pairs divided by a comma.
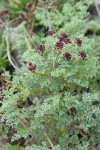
[(54, 102)]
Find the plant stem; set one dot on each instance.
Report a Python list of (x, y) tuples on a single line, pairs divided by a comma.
[(31, 31), (8, 53), (49, 140)]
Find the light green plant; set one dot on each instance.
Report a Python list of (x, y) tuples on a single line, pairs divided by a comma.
[(56, 98)]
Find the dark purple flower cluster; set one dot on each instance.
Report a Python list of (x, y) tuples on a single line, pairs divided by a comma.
[(63, 39), (78, 41), (36, 2), (40, 48), (31, 67), (82, 55), (67, 56), (23, 16), (63, 36), (29, 6), (5, 12), (67, 41), (59, 45), (50, 33)]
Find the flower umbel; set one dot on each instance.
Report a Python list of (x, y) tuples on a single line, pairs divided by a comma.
[(5, 12), (64, 38), (50, 33), (23, 17), (82, 55), (78, 41), (59, 45), (32, 67), (67, 41), (64, 35), (67, 56), (40, 48), (36, 2), (29, 6)]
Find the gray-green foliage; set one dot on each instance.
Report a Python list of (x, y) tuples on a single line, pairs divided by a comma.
[(10, 147), (62, 103), (71, 15)]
